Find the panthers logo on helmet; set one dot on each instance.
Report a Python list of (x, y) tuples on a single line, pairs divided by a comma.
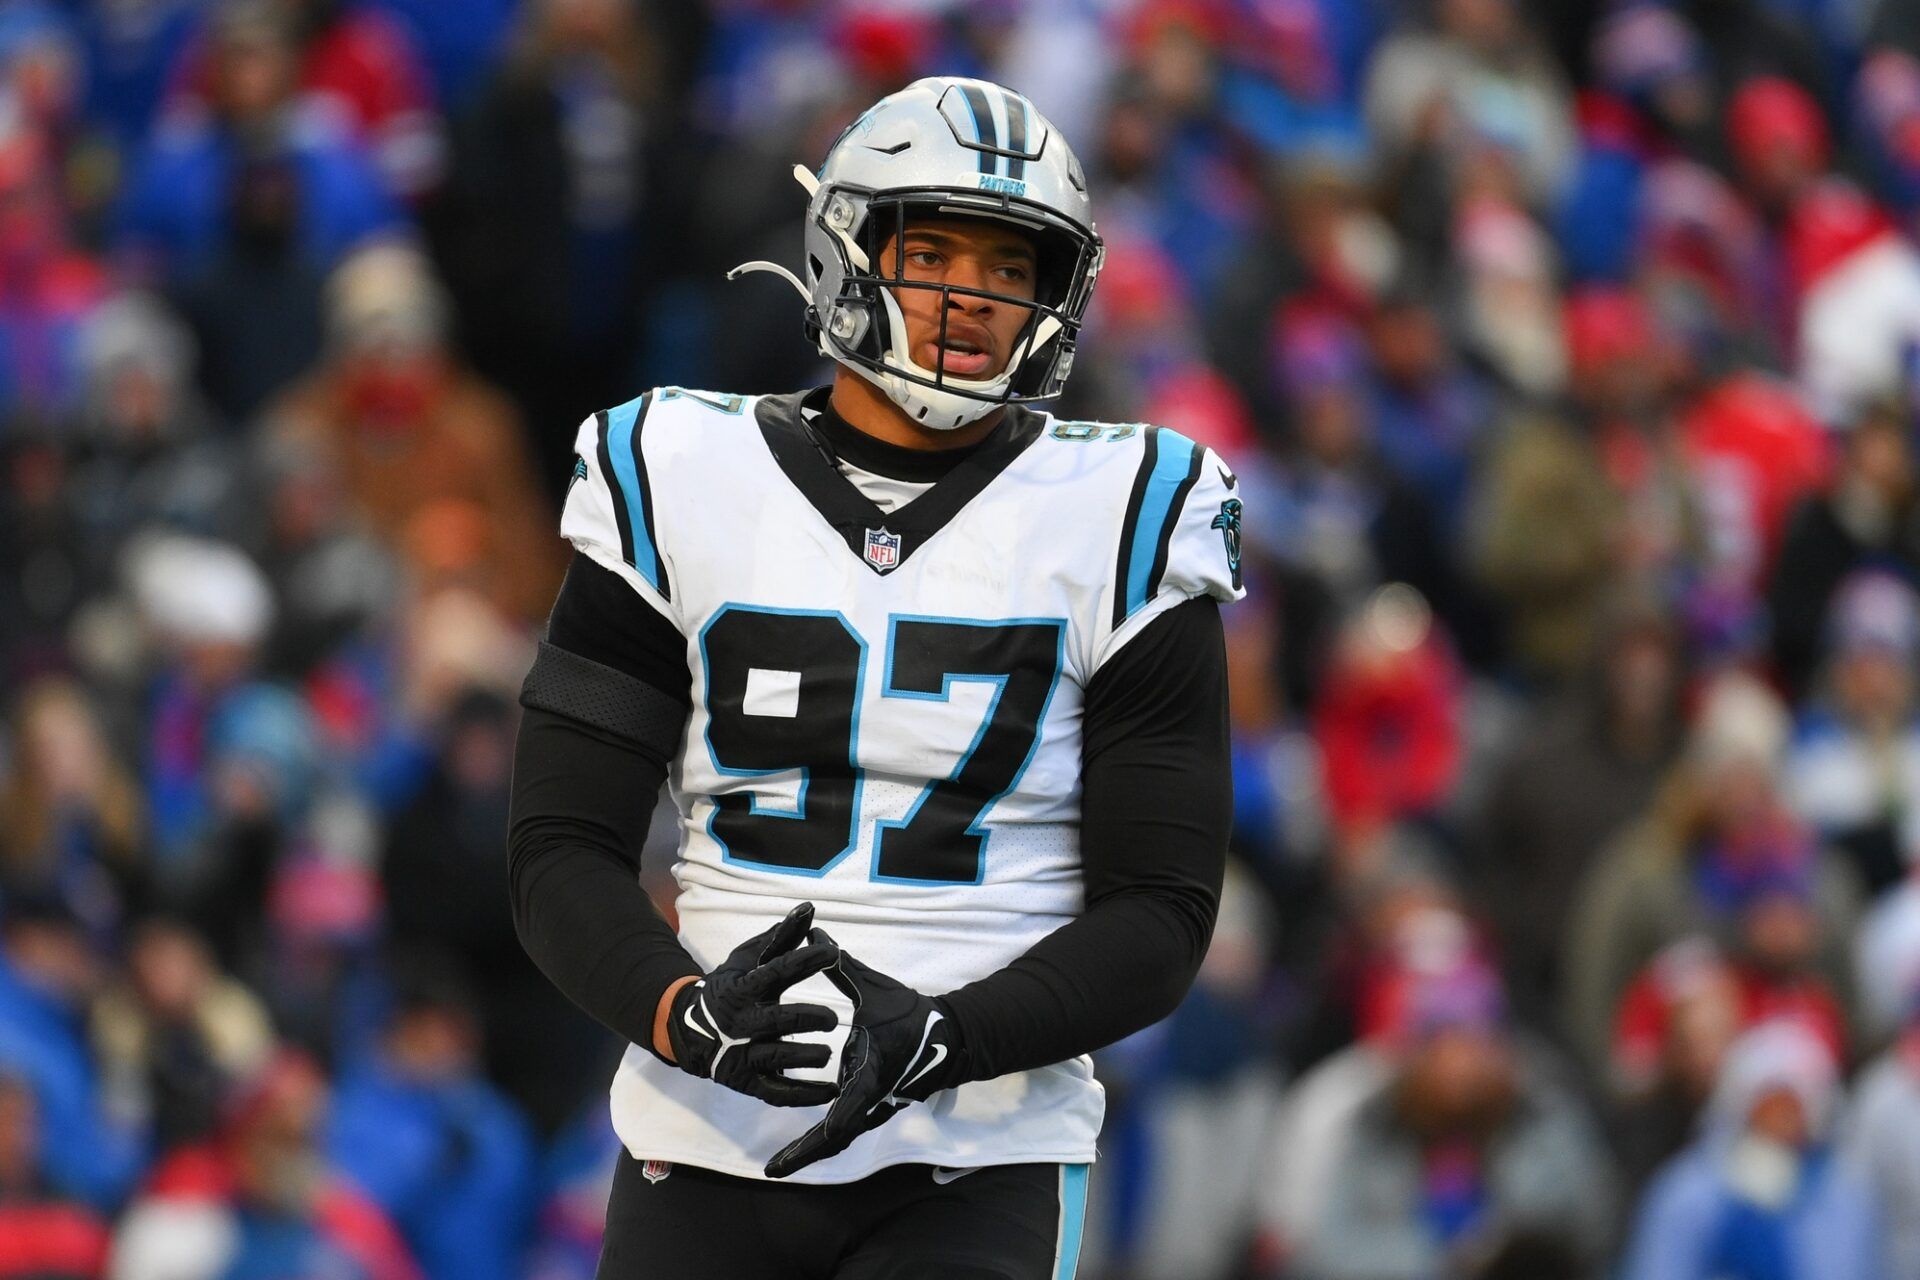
[(1228, 523)]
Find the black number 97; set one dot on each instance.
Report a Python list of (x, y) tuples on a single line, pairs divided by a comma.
[(783, 693)]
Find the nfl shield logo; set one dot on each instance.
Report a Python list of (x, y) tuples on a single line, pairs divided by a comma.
[(655, 1170), (883, 549)]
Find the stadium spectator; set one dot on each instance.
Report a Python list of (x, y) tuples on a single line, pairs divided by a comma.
[(1577, 770), (230, 758), (1388, 720), (1887, 957), (1195, 1102), (1882, 1138), (1853, 772), (1866, 517), (565, 209), (257, 1199), (444, 861), (48, 288), (1760, 1192), (48, 973), (43, 1234), (1339, 518), (176, 1036), (1432, 411), (1476, 81), (1671, 1038), (1551, 588), (1753, 452), (1469, 1151), (1718, 854), (356, 71), (432, 1142), (426, 451), (1625, 376), (75, 819), (147, 449), (241, 208)]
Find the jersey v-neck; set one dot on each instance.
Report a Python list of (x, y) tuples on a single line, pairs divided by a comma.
[(854, 447), (807, 457)]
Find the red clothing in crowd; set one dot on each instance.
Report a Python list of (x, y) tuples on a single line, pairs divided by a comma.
[(50, 1240), (1389, 736), (204, 1175)]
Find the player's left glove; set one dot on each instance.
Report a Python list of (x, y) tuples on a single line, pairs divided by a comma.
[(902, 1048)]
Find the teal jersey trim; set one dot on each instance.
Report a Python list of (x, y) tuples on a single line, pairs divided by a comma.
[(1174, 464), (623, 450)]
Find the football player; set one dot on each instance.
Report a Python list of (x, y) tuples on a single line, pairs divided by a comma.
[(938, 682)]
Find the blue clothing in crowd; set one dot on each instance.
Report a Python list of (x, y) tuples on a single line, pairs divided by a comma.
[(451, 1161), (43, 1042), (1694, 1225), (178, 203)]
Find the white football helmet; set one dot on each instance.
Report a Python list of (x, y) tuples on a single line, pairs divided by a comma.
[(949, 147)]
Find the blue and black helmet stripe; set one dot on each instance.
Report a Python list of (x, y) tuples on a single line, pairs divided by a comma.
[(1016, 134), (985, 131), (625, 466)]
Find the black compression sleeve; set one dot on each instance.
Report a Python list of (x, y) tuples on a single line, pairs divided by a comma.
[(1156, 808), (582, 800)]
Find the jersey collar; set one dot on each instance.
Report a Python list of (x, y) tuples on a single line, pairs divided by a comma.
[(809, 467)]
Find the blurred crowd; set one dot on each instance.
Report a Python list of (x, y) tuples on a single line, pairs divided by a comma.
[(1569, 356)]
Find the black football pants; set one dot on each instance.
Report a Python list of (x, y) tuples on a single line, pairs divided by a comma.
[(909, 1222)]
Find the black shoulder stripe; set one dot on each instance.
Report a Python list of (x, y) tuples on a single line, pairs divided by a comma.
[(633, 491), (1129, 524), (606, 474), (1172, 521)]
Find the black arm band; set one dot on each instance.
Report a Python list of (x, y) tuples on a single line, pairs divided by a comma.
[(595, 694)]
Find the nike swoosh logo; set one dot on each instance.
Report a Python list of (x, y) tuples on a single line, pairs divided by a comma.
[(942, 1177), (893, 1098), (939, 1056), (686, 1016), (893, 150), (1227, 477)]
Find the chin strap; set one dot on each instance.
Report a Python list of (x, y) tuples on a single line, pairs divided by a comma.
[(761, 264)]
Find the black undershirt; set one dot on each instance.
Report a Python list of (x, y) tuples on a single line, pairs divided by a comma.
[(845, 442), (1156, 804)]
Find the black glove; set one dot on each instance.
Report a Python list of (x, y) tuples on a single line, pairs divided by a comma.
[(729, 1026), (903, 1048)]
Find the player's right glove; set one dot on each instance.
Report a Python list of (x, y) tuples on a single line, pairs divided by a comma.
[(902, 1049), (730, 1026)]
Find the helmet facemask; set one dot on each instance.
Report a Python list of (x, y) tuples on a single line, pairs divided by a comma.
[(865, 326)]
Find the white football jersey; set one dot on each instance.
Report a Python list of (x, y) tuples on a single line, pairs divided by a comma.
[(886, 718)]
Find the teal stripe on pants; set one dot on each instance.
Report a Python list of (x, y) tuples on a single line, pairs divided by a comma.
[(1073, 1219)]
